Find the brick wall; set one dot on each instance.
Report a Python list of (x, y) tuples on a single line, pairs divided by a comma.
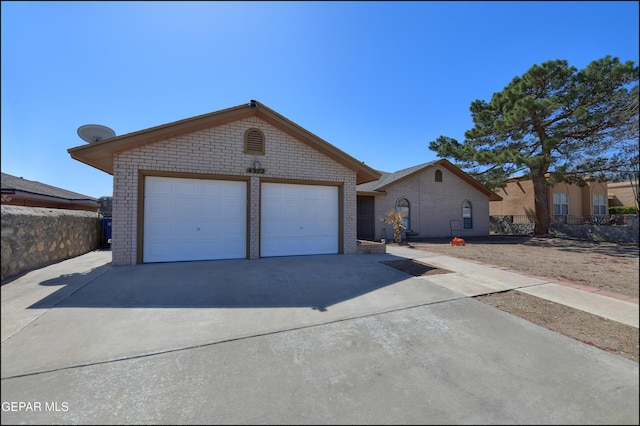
[(220, 151), (371, 247), (433, 205), (33, 237)]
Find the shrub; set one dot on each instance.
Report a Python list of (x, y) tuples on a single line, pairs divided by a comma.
[(623, 210)]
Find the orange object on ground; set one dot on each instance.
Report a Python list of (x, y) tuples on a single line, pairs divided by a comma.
[(457, 241)]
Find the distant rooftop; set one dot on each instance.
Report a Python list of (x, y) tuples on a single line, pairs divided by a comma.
[(388, 178), (13, 184)]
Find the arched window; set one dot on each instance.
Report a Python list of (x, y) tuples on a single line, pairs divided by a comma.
[(599, 204), (438, 176), (403, 205), (467, 217)]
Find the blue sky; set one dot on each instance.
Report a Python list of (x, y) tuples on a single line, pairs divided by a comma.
[(379, 80)]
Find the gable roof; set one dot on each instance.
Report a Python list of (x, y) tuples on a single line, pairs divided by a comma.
[(29, 188), (100, 154), (387, 179)]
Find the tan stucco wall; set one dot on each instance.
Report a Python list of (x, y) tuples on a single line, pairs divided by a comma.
[(220, 151), (623, 194), (434, 204), (518, 198)]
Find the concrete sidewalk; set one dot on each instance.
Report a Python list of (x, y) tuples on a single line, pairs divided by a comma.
[(334, 339), (474, 279)]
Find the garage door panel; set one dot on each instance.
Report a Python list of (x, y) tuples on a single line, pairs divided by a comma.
[(236, 192), (159, 209), (292, 209), (233, 211), (296, 246), (185, 230), (186, 188), (288, 245), (270, 230), (223, 230), (174, 252), (324, 244), (324, 193), (319, 229), (194, 219), (291, 193), (187, 210), (220, 208), (298, 219), (309, 210), (156, 186), (318, 211), (271, 192), (214, 189), (270, 210), (159, 230)]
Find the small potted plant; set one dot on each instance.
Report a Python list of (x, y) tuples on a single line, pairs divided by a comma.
[(395, 220)]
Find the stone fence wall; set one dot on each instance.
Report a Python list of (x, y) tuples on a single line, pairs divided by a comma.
[(504, 225), (627, 233), (33, 237)]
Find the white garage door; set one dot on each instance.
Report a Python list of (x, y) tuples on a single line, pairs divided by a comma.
[(194, 219), (298, 219)]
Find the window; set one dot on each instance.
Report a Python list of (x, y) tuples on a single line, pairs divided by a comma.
[(467, 218), (560, 204), (438, 176), (254, 142), (599, 204), (401, 206)]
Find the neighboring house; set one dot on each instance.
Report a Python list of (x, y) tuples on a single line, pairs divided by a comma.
[(440, 200), (623, 194), (568, 203), (17, 191), (243, 182)]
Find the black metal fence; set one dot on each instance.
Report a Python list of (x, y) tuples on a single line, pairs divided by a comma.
[(604, 220)]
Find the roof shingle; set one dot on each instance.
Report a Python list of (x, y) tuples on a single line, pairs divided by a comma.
[(14, 183)]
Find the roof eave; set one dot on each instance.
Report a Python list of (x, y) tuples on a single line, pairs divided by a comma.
[(453, 168), (101, 154), (373, 193), (364, 173)]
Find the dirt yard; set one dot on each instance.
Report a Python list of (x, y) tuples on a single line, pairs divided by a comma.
[(606, 266)]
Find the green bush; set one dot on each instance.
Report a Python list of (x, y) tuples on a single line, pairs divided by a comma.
[(623, 210)]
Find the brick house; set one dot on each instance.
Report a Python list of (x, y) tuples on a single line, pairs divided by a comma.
[(441, 201), (243, 182), (568, 203)]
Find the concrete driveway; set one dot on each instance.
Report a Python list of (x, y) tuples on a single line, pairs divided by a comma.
[(337, 339)]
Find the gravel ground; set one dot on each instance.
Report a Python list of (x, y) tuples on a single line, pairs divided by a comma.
[(606, 266)]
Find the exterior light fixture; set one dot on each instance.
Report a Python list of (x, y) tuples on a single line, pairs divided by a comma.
[(256, 168)]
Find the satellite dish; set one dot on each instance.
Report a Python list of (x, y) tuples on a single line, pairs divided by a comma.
[(95, 132)]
